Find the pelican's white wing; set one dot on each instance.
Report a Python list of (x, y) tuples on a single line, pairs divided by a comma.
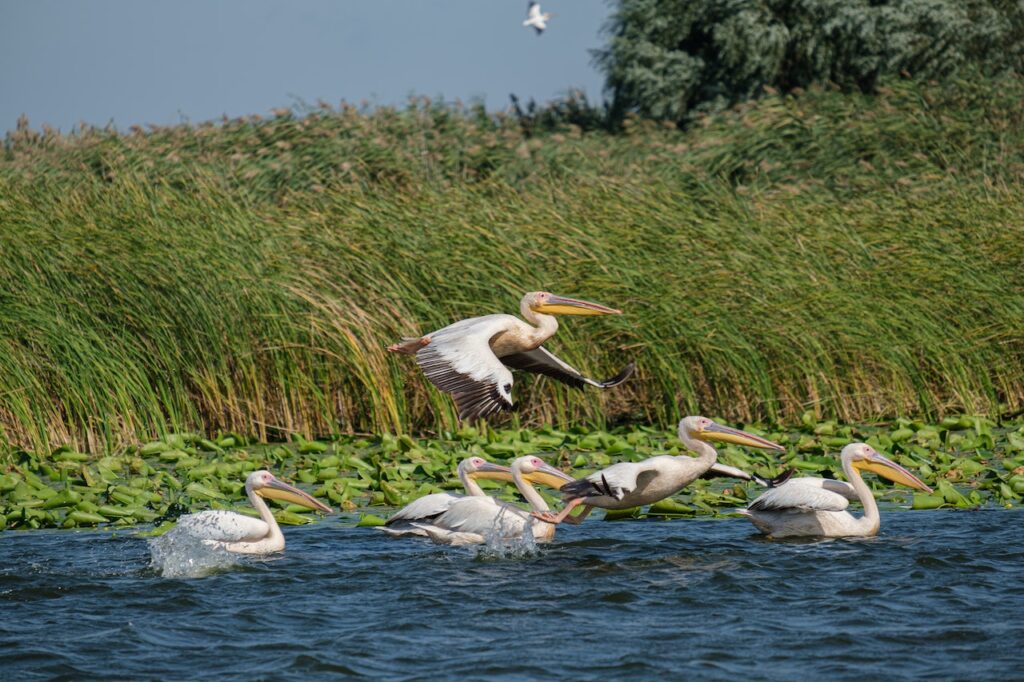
[(459, 360), (806, 494), (224, 526), (482, 516), (616, 481), (443, 536), (419, 510), (533, 12)]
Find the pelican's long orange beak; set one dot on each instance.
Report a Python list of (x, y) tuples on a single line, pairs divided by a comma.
[(886, 468), (723, 434), (493, 472), (559, 305), (279, 490), (549, 476)]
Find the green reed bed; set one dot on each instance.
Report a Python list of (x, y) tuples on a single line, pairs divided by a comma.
[(855, 256), (970, 462)]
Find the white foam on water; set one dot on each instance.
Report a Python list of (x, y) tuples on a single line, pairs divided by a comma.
[(180, 554)]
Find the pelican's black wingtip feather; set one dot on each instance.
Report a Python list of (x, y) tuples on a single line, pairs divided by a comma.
[(773, 482), (626, 373), (781, 478)]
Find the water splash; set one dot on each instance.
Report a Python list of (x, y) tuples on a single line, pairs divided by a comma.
[(509, 538), (180, 554)]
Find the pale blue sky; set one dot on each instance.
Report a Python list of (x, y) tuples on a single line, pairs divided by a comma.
[(164, 61)]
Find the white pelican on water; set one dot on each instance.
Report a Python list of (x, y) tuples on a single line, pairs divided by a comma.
[(634, 484), (422, 510), (472, 520), (471, 359), (817, 506), (244, 534), (536, 19)]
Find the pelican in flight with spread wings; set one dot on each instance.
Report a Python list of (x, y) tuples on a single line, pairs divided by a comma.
[(423, 509), (817, 506), (634, 484), (472, 520), (472, 359), (244, 534), (537, 19)]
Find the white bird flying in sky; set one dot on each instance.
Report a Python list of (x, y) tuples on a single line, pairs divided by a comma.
[(537, 19)]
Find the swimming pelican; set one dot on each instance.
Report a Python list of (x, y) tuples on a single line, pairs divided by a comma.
[(471, 520), (634, 484), (536, 19), (471, 358), (422, 510), (243, 534), (817, 506)]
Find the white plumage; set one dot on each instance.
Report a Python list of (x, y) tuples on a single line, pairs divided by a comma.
[(459, 360), (409, 519), (473, 520), (634, 484), (243, 534), (820, 494), (816, 507), (472, 359), (536, 19)]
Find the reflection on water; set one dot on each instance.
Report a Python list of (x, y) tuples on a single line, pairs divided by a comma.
[(937, 594)]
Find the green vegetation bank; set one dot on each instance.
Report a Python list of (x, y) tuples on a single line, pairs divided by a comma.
[(856, 256)]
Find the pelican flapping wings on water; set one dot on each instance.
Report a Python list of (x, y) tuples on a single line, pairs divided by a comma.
[(472, 520), (422, 510), (537, 19), (243, 534), (817, 506), (473, 359), (634, 484)]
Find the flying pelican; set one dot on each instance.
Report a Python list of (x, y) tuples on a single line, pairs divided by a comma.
[(471, 358), (471, 520), (422, 510), (243, 534), (634, 484), (536, 19), (817, 506)]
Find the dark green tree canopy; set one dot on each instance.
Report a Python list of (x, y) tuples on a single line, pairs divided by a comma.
[(671, 59)]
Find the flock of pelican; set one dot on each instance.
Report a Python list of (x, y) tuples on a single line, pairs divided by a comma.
[(473, 360)]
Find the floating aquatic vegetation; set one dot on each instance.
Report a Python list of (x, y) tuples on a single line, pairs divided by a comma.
[(969, 461)]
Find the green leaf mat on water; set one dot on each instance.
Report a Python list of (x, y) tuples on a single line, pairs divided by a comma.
[(141, 485)]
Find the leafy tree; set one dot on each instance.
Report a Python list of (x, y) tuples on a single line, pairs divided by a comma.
[(671, 59)]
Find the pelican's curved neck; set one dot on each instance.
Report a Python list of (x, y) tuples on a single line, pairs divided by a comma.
[(870, 519), (706, 453), (469, 483), (261, 506), (537, 502), (545, 326)]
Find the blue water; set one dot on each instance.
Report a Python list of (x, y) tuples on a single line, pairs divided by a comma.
[(937, 595)]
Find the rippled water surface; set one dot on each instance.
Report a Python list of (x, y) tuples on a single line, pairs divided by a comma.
[(938, 594)]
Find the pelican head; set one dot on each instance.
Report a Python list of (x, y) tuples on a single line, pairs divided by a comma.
[(265, 484), (536, 470), (550, 304), (702, 428), (478, 467), (864, 457)]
